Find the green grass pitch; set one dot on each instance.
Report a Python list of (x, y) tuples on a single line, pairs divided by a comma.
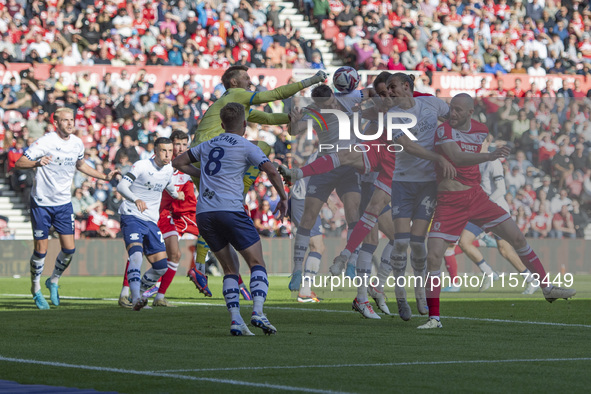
[(497, 341)]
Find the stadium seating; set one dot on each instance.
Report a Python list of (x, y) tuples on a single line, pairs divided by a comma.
[(54, 41)]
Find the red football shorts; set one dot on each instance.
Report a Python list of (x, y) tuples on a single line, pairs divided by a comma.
[(177, 225), (455, 209)]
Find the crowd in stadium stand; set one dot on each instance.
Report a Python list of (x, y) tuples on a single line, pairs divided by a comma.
[(516, 36), (118, 129), (535, 37), (119, 118), (207, 34)]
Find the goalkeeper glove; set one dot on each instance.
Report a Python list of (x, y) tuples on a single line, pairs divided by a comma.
[(318, 78)]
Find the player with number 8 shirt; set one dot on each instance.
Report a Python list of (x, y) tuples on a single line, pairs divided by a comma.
[(220, 213), (237, 83)]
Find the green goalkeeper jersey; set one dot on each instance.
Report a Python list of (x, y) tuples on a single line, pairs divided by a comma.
[(210, 125)]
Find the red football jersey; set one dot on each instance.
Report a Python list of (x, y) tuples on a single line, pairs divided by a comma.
[(183, 183), (468, 141)]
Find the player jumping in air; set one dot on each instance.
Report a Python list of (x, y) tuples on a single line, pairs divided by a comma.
[(462, 199), (142, 188), (55, 156), (237, 83), (177, 217), (411, 197), (220, 212)]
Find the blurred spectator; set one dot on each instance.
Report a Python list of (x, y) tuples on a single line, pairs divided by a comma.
[(124, 109), (82, 203), (560, 201), (103, 109), (321, 11), (514, 180), (549, 189), (273, 199), (579, 158), (96, 218), (562, 165), (520, 162), (563, 224), (113, 202), (541, 223), (282, 146), (264, 220), (580, 219), (522, 220)]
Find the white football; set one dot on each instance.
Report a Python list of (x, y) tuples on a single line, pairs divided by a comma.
[(345, 79)]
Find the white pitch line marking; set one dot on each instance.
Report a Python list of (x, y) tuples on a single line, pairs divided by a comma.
[(303, 309), (168, 375), (402, 364)]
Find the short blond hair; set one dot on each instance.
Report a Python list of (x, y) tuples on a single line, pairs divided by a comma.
[(59, 111)]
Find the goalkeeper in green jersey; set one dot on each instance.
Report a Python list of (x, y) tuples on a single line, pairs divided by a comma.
[(237, 83)]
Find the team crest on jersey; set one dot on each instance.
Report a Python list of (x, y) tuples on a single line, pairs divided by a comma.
[(436, 226)]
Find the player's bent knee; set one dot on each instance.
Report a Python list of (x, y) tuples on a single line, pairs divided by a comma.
[(518, 241), (433, 264), (465, 242), (68, 252), (401, 245), (39, 255), (160, 265), (137, 248), (175, 256), (419, 252)]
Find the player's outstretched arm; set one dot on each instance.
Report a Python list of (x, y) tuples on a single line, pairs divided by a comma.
[(83, 167), (24, 163), (184, 163), (262, 117), (277, 183), (285, 91), (459, 158), (415, 149)]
